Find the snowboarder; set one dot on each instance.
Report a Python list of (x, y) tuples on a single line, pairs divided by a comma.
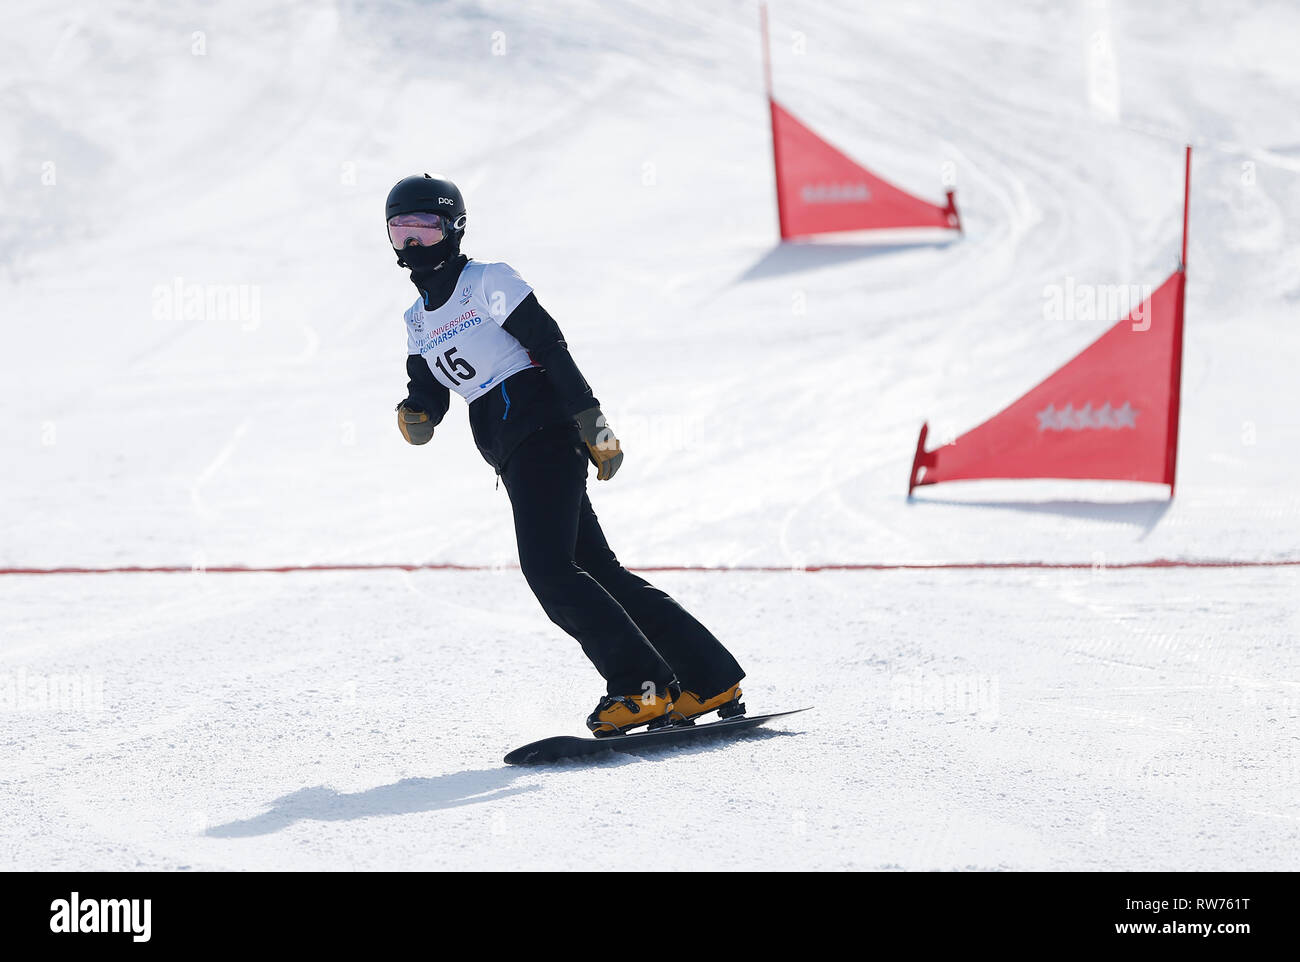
[(478, 329)]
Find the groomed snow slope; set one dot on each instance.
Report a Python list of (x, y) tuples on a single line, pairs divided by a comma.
[(768, 398)]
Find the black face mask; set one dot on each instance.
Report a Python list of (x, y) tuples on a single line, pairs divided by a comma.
[(426, 260), (434, 270)]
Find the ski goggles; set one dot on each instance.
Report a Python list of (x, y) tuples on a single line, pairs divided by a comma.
[(419, 229)]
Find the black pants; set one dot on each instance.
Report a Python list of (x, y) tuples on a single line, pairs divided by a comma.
[(632, 632)]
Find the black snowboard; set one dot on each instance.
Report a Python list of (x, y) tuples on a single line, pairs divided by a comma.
[(569, 746)]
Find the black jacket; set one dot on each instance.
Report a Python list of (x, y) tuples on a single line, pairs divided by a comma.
[(527, 401)]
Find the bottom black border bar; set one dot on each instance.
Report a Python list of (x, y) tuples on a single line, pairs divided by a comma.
[(631, 904)]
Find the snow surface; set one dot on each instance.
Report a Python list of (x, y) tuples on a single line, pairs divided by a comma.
[(617, 154)]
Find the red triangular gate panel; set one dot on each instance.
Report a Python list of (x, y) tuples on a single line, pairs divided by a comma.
[(1109, 414), (820, 189)]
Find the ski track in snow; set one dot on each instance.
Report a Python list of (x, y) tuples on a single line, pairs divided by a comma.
[(768, 397)]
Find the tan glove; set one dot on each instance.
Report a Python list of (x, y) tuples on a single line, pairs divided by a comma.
[(602, 446), (414, 424)]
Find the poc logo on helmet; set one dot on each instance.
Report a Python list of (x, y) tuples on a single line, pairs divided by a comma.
[(447, 200)]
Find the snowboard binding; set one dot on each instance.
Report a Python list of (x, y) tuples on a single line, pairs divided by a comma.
[(732, 709)]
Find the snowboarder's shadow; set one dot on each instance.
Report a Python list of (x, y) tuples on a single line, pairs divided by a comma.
[(414, 795), (409, 796)]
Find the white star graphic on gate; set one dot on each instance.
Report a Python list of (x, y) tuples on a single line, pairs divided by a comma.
[(1086, 418)]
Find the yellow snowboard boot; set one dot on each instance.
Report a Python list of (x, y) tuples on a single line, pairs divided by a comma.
[(616, 714), (688, 705)]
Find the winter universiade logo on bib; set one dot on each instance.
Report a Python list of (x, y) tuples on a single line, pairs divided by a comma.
[(132, 917), (1085, 418), (467, 293)]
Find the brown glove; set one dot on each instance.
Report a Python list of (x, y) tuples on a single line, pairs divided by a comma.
[(413, 423), (602, 446)]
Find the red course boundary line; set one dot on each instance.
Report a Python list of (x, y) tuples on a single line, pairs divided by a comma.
[(440, 566)]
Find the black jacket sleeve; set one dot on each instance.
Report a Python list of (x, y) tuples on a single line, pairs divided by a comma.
[(536, 330), (424, 390)]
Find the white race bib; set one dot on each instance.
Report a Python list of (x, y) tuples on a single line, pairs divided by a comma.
[(463, 341)]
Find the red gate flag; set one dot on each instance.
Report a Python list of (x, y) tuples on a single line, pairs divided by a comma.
[(821, 189), (1111, 413)]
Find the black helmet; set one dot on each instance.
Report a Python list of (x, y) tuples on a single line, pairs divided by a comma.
[(423, 192), (426, 193)]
